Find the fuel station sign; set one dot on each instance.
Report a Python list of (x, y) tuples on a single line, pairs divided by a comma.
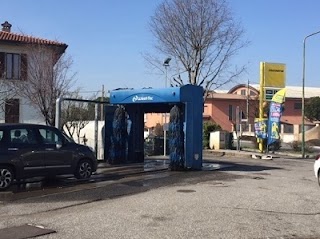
[(270, 92)]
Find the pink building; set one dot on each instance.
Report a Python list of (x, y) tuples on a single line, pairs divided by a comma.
[(240, 105)]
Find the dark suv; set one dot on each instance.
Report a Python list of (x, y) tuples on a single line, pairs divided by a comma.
[(30, 150)]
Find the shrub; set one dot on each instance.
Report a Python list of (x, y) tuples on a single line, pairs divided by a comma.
[(275, 146), (297, 145)]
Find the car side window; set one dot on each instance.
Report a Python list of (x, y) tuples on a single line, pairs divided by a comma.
[(49, 136), (1, 135), (31, 137), (22, 136)]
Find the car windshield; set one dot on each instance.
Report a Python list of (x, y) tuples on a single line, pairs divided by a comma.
[(69, 139)]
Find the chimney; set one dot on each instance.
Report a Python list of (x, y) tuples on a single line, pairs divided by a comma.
[(6, 26)]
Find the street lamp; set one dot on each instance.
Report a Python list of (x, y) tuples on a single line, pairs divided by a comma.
[(302, 101), (165, 64)]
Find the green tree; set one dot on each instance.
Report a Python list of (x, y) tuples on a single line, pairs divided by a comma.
[(312, 109)]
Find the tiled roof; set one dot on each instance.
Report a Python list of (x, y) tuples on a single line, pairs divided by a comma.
[(20, 38), (296, 91)]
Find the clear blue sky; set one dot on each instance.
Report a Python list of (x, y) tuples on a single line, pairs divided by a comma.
[(106, 38)]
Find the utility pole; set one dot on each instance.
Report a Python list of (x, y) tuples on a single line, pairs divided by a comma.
[(101, 106), (238, 133), (165, 64), (303, 131), (248, 95)]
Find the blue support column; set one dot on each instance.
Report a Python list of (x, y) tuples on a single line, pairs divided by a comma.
[(193, 98)]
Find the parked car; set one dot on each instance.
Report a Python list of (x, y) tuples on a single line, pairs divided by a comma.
[(316, 167), (30, 150)]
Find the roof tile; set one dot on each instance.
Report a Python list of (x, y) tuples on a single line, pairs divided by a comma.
[(14, 37)]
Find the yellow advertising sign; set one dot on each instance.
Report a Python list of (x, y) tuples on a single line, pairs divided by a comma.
[(273, 74)]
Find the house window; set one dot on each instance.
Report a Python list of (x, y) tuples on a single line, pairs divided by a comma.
[(13, 66), (243, 92), (288, 128), (252, 93), (297, 106), (230, 112), (12, 109), (242, 115), (306, 128)]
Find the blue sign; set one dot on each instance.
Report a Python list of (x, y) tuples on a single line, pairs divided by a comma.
[(145, 96)]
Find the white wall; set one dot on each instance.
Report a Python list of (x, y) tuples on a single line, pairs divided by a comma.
[(28, 114), (88, 131)]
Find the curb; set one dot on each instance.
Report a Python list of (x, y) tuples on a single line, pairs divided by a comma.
[(253, 154)]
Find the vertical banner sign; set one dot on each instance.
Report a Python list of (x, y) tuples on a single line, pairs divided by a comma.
[(275, 112), (274, 122), (260, 128)]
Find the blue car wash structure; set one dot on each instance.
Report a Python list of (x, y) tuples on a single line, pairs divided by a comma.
[(185, 105)]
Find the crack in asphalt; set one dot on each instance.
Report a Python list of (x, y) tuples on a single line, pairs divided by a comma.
[(274, 212)]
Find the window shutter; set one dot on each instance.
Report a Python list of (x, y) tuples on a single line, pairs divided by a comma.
[(24, 67), (2, 55)]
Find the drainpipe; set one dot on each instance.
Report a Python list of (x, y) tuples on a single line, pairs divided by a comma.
[(58, 112), (96, 129)]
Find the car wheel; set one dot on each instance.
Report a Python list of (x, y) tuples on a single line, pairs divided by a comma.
[(84, 169), (6, 177), (318, 177)]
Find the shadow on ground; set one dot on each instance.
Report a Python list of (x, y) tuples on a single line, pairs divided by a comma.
[(116, 181)]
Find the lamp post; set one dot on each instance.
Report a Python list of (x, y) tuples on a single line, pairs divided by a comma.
[(303, 83), (165, 64)]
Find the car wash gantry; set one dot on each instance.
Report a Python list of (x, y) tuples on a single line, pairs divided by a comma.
[(185, 105)]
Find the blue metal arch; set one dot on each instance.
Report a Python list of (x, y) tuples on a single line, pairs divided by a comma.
[(140, 101)]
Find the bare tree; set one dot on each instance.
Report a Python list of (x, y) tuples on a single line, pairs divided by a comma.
[(49, 77), (75, 115), (5, 95), (202, 37)]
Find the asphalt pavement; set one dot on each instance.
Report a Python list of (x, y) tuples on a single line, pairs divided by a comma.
[(244, 198)]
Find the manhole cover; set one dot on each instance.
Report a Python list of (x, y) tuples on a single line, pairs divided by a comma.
[(23, 232)]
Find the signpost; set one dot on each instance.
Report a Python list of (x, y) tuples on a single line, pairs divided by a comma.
[(272, 79)]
